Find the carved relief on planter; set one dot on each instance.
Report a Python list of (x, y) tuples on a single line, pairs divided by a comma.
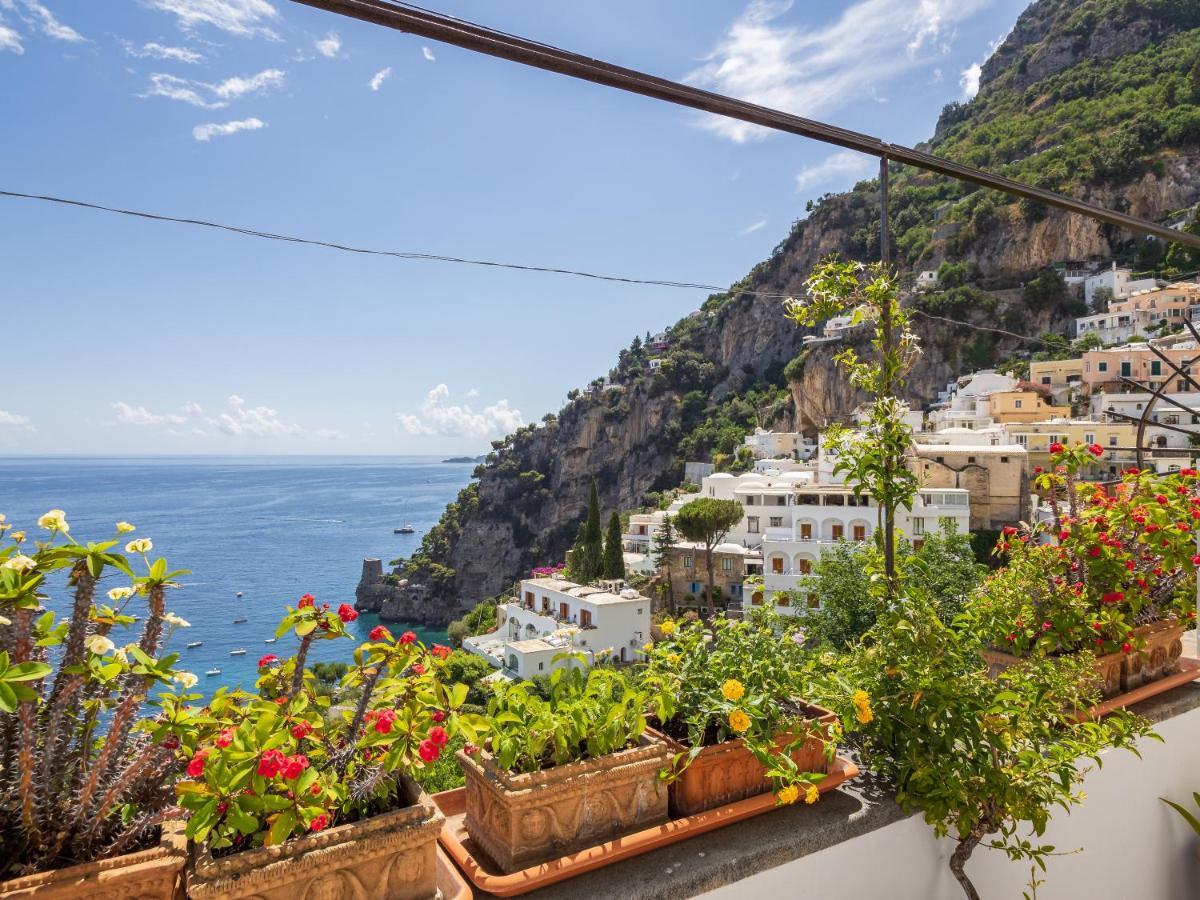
[(153, 874), (387, 857), (522, 820), (728, 772), (1117, 673)]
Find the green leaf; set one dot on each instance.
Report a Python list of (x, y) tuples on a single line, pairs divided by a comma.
[(281, 828)]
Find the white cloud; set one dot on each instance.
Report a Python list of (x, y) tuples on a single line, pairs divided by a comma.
[(757, 226), (428, 54), (175, 88), (210, 130), (236, 86), (36, 14), (813, 71), (12, 420), (244, 18), (139, 415), (251, 421), (843, 164), (440, 417), (380, 77), (154, 50), (10, 40), (329, 45), (969, 80)]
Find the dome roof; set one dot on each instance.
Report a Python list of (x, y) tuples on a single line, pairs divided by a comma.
[(721, 475), (729, 547)]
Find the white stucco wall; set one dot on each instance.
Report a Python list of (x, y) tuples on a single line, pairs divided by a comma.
[(1133, 844)]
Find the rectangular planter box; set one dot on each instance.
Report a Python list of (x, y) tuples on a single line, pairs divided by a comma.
[(728, 772), (153, 874), (522, 820), (1118, 672), (388, 857)]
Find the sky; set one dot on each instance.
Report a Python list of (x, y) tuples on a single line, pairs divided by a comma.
[(122, 335)]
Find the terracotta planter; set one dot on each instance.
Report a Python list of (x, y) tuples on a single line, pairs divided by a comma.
[(1118, 672), (522, 820), (153, 874), (728, 772), (388, 857)]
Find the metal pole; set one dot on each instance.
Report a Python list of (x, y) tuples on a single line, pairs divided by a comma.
[(887, 389)]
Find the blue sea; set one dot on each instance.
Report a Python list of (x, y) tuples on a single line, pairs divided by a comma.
[(272, 528)]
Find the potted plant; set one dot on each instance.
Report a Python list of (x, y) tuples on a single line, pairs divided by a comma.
[(563, 772), (1113, 574), (290, 796), (727, 701), (86, 806)]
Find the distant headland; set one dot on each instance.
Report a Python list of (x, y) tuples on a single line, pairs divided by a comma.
[(464, 459)]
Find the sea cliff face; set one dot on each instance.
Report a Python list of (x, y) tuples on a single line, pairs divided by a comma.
[(531, 491)]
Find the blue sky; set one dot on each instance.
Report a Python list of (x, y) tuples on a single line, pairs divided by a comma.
[(122, 336)]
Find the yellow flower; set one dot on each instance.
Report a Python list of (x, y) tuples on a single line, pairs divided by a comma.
[(673, 659), (667, 628), (862, 706), (739, 721), (18, 537), (124, 528), (788, 795), (186, 680), (141, 545), (19, 563), (811, 795), (55, 520), (732, 690), (119, 593), (648, 647)]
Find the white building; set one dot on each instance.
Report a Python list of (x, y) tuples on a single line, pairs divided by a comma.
[(927, 280), (1118, 281), (823, 515), (966, 404), (777, 444), (553, 616), (1116, 407)]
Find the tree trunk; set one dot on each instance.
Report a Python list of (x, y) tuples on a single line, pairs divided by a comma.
[(708, 561), (958, 861)]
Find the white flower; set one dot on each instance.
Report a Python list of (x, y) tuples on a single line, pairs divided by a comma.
[(172, 619), (4, 621), (122, 653), (19, 563), (55, 520), (125, 528), (120, 593), (141, 545), (99, 644), (186, 680)]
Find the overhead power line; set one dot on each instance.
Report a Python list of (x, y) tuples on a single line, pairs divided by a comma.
[(397, 254), (481, 39)]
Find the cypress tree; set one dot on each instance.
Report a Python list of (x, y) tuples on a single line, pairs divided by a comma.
[(614, 560), (587, 559)]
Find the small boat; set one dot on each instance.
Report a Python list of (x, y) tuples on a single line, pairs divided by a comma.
[(195, 644), (238, 594), (213, 672), (240, 621), (407, 529), (269, 640), (237, 652)]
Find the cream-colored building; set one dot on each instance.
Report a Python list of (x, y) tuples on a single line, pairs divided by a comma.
[(995, 476), (1004, 407), (1060, 376)]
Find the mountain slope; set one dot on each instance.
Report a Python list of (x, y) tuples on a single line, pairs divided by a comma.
[(1096, 98)]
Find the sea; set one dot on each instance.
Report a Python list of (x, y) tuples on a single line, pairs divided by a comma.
[(266, 528)]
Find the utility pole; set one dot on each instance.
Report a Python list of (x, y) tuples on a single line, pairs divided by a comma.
[(887, 388)]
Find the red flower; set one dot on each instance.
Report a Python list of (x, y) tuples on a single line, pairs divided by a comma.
[(1012, 637), (171, 743), (1063, 535), (1046, 626), (1196, 560), (269, 660), (1037, 470), (407, 638), (440, 652), (315, 789), (306, 600), (1094, 552), (470, 749), (1113, 597), (196, 767), (294, 766), (418, 669), (438, 735), (439, 716), (384, 720), (1096, 450), (1162, 499), (428, 750), (318, 822), (1096, 626), (225, 738), (1126, 647), (347, 613), (301, 730), (1009, 531), (270, 763), (379, 633), (1056, 447)]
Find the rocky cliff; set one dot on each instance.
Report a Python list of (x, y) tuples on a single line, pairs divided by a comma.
[(1099, 98)]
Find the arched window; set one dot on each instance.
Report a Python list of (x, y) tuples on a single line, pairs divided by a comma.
[(512, 661)]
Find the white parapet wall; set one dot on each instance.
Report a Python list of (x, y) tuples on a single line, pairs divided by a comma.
[(1132, 844)]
